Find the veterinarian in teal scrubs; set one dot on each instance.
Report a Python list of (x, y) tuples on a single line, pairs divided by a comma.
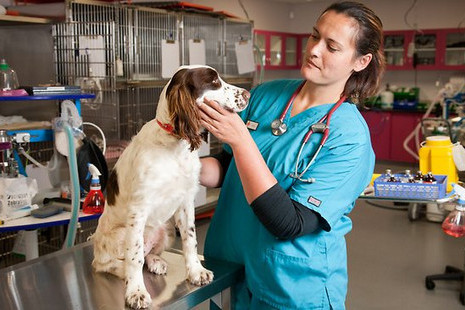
[(288, 229)]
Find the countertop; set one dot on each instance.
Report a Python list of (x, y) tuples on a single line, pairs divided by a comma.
[(65, 280)]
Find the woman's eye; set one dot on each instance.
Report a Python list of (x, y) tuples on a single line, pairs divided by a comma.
[(332, 49)]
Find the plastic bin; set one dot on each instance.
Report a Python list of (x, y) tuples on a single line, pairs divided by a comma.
[(425, 191)]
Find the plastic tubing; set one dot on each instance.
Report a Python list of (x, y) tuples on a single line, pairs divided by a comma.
[(72, 163), (414, 133)]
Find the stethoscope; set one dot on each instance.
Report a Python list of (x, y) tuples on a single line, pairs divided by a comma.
[(278, 128)]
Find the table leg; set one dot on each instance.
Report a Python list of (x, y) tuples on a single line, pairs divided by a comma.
[(221, 300)]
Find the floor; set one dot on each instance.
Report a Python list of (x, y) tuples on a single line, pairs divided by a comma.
[(389, 257)]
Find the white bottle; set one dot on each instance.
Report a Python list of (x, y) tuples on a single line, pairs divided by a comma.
[(387, 98)]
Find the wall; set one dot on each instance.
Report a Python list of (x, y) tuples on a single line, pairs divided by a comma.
[(28, 49)]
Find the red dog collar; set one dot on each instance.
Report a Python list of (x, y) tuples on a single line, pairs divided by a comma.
[(166, 127)]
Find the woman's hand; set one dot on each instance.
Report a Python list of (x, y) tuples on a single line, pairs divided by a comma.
[(227, 126)]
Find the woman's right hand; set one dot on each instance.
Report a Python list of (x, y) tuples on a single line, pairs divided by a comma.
[(226, 125)]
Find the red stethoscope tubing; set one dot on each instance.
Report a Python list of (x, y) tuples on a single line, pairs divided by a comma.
[(289, 103), (325, 132), (327, 117)]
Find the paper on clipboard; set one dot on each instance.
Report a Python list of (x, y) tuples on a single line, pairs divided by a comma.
[(94, 48), (169, 58), (197, 54), (244, 55)]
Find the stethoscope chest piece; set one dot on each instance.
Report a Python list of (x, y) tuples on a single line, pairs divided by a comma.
[(278, 127)]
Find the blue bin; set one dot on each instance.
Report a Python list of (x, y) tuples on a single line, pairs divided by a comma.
[(400, 190)]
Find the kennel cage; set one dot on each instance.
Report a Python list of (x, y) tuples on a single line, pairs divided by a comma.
[(114, 51)]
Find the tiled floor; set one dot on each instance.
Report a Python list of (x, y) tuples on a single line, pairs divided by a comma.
[(389, 257)]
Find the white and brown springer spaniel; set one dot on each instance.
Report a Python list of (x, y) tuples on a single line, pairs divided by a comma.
[(156, 180)]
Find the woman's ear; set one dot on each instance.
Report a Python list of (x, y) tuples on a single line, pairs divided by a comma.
[(185, 115), (362, 62)]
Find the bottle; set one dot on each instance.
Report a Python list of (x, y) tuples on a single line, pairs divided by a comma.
[(390, 177), (454, 224), (95, 201), (429, 178), (418, 177), (387, 98), (408, 177), (8, 77)]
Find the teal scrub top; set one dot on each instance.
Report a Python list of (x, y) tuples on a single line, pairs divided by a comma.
[(307, 271)]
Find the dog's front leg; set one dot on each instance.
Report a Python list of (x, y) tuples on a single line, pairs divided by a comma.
[(136, 294), (185, 221)]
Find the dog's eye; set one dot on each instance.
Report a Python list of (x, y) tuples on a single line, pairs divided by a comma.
[(216, 82)]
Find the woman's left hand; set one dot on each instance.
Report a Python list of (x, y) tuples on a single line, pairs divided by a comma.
[(227, 126)]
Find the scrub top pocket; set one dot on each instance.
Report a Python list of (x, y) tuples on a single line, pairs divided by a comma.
[(291, 282)]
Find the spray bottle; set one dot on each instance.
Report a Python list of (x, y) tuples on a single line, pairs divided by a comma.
[(95, 201), (454, 224)]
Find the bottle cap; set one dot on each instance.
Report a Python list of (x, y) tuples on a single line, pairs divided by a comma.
[(3, 65)]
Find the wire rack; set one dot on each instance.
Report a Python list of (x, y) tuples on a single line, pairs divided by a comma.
[(114, 51)]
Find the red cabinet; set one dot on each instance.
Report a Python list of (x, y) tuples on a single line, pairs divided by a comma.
[(402, 124), (396, 45), (277, 50), (432, 49), (380, 132), (388, 131)]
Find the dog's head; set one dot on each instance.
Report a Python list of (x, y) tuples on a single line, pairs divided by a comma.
[(187, 89)]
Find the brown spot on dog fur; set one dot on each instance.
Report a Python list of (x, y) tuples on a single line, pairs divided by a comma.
[(112, 188)]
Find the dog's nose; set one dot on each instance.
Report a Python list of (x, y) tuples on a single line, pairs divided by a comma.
[(246, 95)]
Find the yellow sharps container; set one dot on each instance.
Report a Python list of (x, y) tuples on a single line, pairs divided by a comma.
[(436, 156)]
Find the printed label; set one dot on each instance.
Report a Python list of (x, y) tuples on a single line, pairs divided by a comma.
[(314, 201), (251, 125)]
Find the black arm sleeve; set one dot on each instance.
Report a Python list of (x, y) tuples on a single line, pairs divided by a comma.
[(284, 217), (225, 159)]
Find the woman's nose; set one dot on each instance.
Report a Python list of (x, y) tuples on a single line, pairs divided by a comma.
[(314, 48)]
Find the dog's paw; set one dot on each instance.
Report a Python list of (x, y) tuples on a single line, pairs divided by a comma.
[(156, 264), (200, 277), (138, 299)]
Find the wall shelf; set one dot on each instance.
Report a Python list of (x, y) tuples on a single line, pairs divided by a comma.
[(6, 20)]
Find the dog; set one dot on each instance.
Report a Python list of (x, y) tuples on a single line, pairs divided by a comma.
[(154, 182)]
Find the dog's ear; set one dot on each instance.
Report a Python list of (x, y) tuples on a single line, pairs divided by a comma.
[(184, 114)]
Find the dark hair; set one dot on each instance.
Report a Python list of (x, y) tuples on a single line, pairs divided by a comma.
[(369, 39)]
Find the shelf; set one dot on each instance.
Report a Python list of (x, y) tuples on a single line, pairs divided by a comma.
[(47, 97), (18, 20), (455, 49)]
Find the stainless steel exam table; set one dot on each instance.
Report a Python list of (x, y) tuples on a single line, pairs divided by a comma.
[(65, 280)]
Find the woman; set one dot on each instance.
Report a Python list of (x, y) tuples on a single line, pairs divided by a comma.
[(284, 221)]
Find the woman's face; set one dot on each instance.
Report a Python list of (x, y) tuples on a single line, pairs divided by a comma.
[(330, 56)]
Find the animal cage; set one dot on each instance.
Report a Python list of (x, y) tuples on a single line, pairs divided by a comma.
[(85, 56), (114, 51)]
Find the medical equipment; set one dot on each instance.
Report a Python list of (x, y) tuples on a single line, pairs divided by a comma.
[(435, 155), (278, 127)]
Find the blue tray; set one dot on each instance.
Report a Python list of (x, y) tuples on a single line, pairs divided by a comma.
[(411, 190)]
